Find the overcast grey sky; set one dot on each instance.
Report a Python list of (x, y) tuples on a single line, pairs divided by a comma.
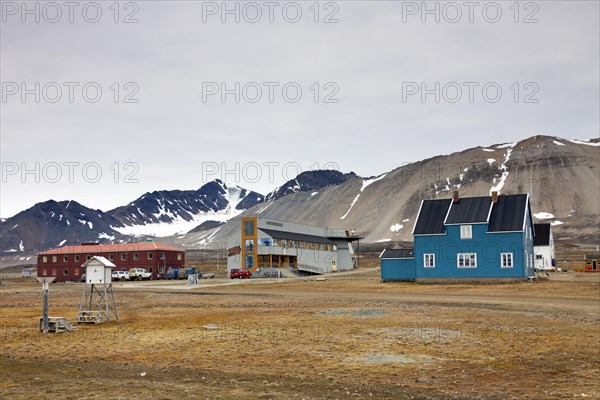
[(382, 83)]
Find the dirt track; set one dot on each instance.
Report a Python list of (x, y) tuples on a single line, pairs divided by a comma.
[(347, 337)]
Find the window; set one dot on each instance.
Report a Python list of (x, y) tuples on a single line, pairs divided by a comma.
[(65, 271), (466, 260), (45, 259), (429, 260), (76, 271), (77, 258), (123, 256), (88, 257), (466, 232), (249, 244), (53, 271), (111, 257), (249, 261), (539, 256), (507, 260), (248, 228), (66, 258), (54, 259), (179, 256), (150, 255), (44, 272), (161, 256), (136, 256)]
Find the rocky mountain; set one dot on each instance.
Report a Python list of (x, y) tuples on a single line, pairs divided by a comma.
[(168, 212), (309, 181), (52, 224), (562, 177)]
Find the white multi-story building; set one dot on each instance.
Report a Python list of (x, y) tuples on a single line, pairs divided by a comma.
[(265, 245)]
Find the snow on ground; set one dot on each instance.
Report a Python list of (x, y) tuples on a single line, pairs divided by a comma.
[(586, 142), (313, 194), (498, 186), (554, 223), (406, 220), (491, 161), (106, 236), (364, 186), (396, 227), (383, 240), (506, 145), (21, 246), (179, 225), (62, 242), (543, 215), (558, 143), (489, 150)]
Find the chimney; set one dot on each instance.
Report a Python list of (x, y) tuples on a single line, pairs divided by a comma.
[(455, 196), (494, 197)]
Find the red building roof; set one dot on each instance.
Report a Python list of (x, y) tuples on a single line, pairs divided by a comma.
[(108, 248)]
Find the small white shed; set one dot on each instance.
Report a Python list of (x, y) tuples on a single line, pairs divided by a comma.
[(98, 270)]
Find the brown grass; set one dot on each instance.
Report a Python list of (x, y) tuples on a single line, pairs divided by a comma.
[(347, 337)]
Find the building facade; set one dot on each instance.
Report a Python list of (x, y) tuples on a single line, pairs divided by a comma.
[(265, 245), (474, 238), (65, 263), (543, 247)]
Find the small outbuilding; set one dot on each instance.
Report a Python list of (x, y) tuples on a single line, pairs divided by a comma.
[(397, 265), (592, 263), (543, 247)]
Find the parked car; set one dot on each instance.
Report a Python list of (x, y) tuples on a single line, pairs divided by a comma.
[(205, 276), (120, 276), (240, 273), (138, 274)]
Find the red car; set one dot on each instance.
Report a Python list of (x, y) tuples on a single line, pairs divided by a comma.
[(240, 273)]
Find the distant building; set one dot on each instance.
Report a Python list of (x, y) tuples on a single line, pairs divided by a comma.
[(592, 262), (268, 246), (543, 243), (65, 263), (471, 238)]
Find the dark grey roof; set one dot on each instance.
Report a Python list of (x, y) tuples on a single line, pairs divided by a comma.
[(431, 217), (397, 253), (295, 236), (542, 235), (469, 210), (592, 256), (508, 213)]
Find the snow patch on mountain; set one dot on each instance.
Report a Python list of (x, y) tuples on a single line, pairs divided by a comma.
[(498, 186), (365, 184), (396, 227), (543, 215)]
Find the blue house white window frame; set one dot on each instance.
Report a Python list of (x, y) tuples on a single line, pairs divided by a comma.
[(466, 260), (466, 232), (429, 260), (506, 260)]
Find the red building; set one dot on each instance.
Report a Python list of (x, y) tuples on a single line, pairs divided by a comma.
[(65, 263)]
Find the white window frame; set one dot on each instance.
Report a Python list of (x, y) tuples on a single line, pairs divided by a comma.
[(470, 257), (466, 231), (508, 257), (429, 260)]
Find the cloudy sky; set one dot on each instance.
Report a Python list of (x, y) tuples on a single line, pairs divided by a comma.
[(102, 103)]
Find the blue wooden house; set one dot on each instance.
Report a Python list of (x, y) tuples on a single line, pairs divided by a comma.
[(473, 238)]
